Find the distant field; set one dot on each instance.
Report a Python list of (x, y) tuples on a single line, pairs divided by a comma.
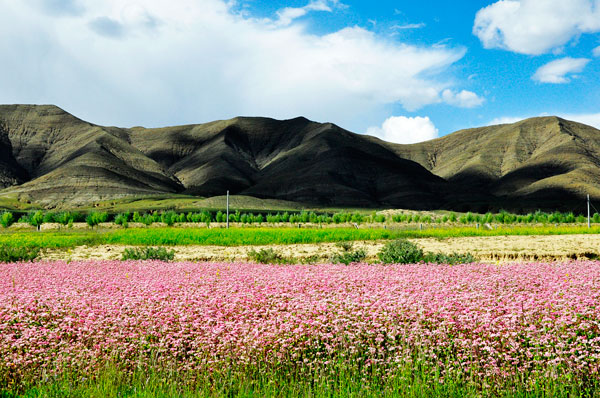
[(187, 203), (168, 236), (177, 202)]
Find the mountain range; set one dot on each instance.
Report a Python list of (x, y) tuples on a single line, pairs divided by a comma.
[(51, 157)]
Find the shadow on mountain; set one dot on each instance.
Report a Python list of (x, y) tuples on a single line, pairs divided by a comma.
[(544, 163)]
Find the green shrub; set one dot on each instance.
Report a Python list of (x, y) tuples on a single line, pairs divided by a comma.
[(347, 255), (146, 219), (267, 256), (7, 219), (169, 218), (379, 218), (400, 251), (451, 259), (65, 218), (9, 254), (49, 218), (556, 217), (148, 253), (93, 219), (122, 220)]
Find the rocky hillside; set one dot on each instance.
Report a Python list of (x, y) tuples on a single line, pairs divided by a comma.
[(52, 157)]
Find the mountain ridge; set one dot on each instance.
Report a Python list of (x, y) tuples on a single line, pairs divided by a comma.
[(50, 156)]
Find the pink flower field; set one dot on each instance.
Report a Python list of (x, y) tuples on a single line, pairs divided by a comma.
[(492, 321)]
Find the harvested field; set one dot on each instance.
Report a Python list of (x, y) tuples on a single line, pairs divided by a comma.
[(485, 248)]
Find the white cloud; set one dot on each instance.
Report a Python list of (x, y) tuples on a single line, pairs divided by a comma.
[(409, 26), (108, 27), (535, 26), (160, 63), (556, 71), (287, 15), (405, 130), (591, 119), (505, 120), (462, 99), (596, 51), (60, 7)]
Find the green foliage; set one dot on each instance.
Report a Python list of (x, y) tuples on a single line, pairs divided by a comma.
[(261, 236), (35, 219), (148, 253), (94, 218), (379, 218), (203, 217), (400, 251), (9, 254), (66, 218), (169, 218), (122, 219), (267, 256), (347, 255), (6, 219), (451, 259), (49, 218), (336, 380), (146, 219)]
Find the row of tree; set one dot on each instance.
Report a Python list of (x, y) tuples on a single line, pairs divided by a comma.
[(37, 218)]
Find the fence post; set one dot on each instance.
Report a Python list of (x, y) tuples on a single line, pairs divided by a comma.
[(588, 209)]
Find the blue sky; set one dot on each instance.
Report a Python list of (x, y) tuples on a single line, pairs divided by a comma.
[(402, 70)]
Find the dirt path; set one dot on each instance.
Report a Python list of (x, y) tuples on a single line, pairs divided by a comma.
[(492, 248)]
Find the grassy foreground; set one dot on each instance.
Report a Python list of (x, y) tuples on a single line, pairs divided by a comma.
[(407, 382), (156, 329), (258, 236)]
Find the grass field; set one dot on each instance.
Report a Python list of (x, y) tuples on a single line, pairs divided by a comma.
[(258, 236)]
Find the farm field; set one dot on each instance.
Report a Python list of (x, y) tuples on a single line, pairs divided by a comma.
[(484, 248), (108, 328), (173, 236), (519, 321)]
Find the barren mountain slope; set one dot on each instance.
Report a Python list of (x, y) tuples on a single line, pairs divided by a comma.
[(52, 157), (293, 159), (536, 160), (67, 159)]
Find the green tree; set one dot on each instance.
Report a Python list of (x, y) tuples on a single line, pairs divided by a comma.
[(7, 219), (36, 219)]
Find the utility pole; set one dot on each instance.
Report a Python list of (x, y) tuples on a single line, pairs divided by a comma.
[(588, 207), (227, 209)]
